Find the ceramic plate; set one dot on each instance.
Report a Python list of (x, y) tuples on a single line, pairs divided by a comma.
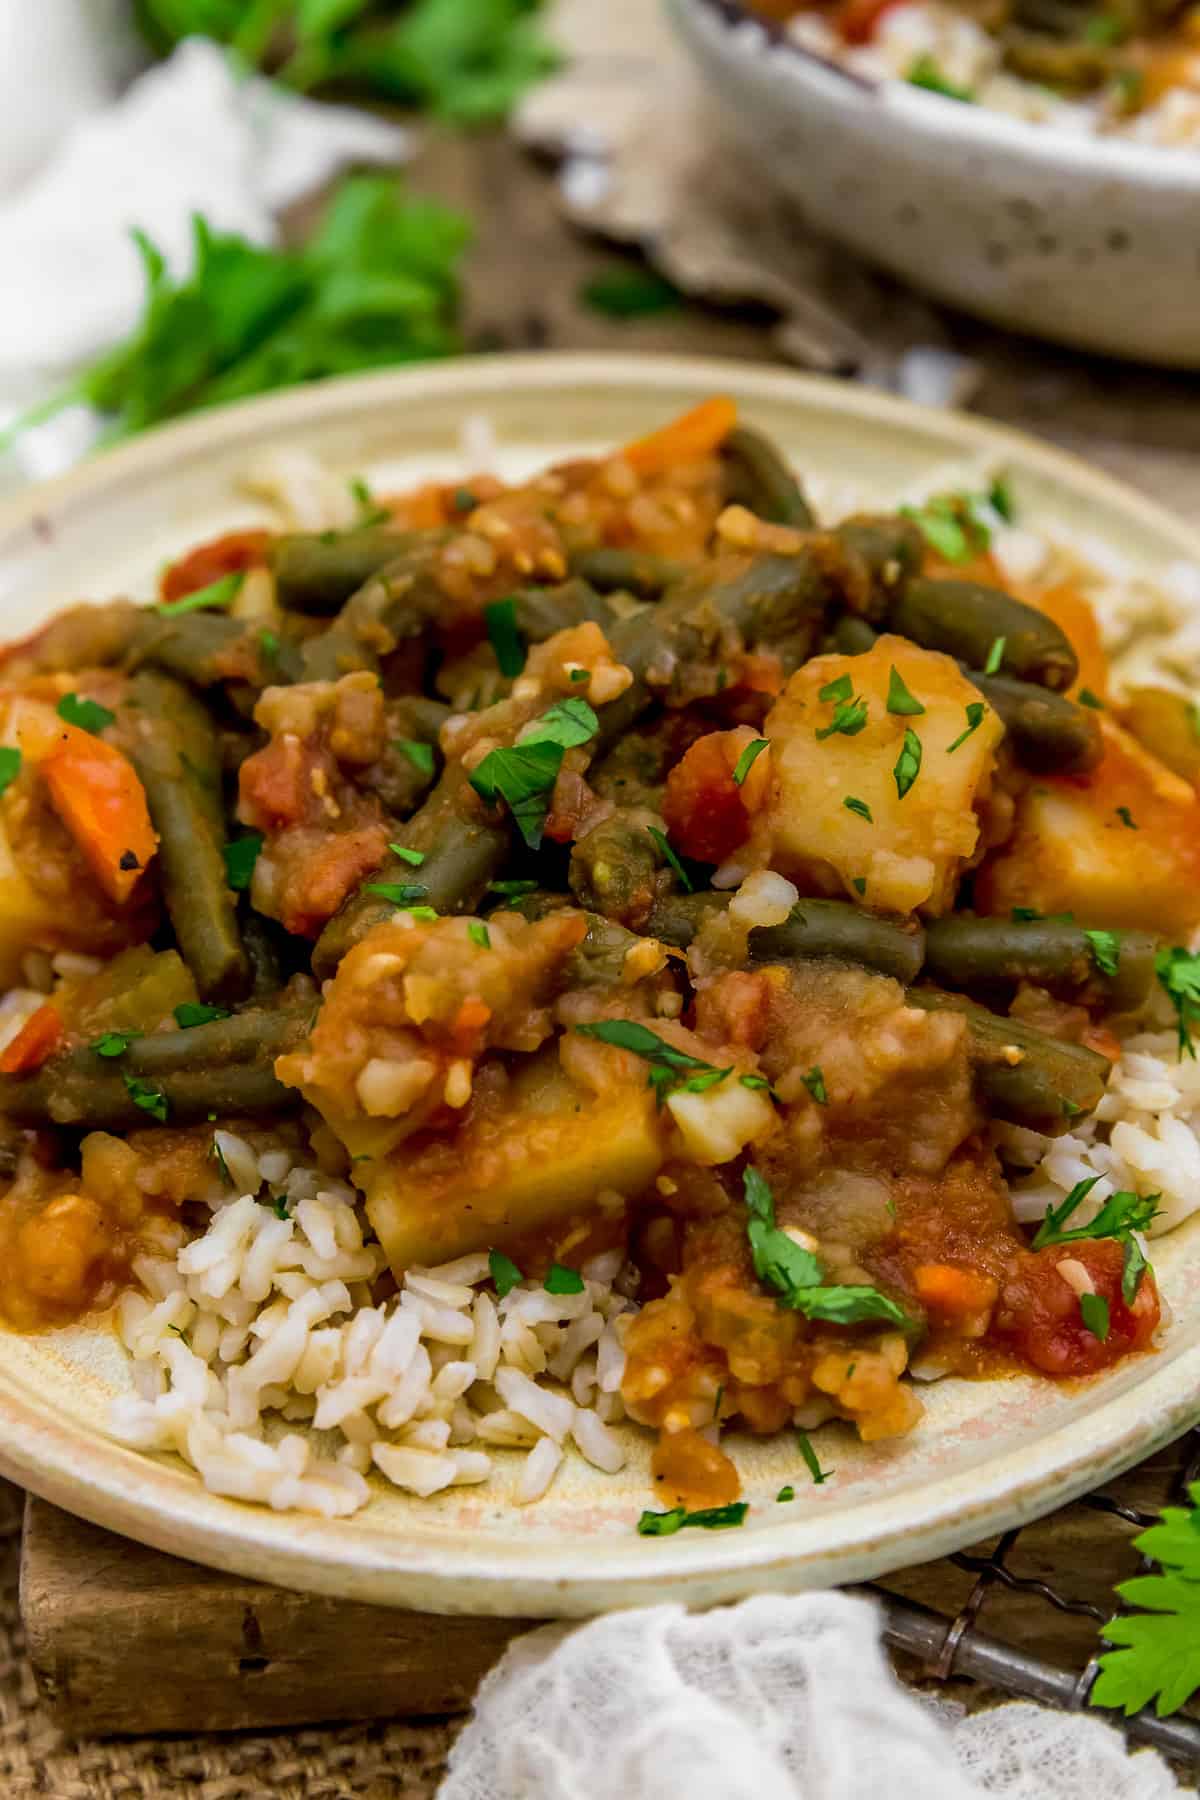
[(988, 1455)]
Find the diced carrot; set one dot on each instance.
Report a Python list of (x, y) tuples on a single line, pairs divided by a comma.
[(97, 795), (469, 1025), (38, 1039), (953, 1293), (693, 435), (231, 554)]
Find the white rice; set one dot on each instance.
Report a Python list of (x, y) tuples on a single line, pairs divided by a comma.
[(264, 1321)]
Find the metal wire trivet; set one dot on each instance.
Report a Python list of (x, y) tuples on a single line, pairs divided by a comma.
[(952, 1646)]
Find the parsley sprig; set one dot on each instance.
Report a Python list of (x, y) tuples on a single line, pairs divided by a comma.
[(1178, 971), (1156, 1652), (710, 1518), (523, 775), (671, 1069), (1121, 1215), (797, 1276)]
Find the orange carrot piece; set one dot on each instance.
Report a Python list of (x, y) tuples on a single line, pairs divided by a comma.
[(693, 435), (951, 1292), (97, 795), (37, 1040)]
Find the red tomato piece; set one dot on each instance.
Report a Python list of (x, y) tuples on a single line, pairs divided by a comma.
[(708, 815), (1040, 1316), (231, 554)]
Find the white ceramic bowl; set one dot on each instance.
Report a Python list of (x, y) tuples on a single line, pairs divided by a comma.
[(1089, 241)]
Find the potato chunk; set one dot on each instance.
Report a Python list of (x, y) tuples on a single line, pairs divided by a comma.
[(1117, 847), (550, 1152), (907, 855)]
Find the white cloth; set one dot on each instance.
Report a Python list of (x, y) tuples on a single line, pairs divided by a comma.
[(190, 135), (779, 1698)]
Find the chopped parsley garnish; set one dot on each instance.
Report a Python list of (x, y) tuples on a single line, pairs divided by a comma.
[(924, 72), (814, 1081), (240, 858), (849, 718), (280, 1206), (504, 1271), (858, 806), (859, 884), (712, 1518), (995, 656), (975, 712), (10, 766), (899, 698), (669, 1068), (1121, 1215), (1105, 948), (1178, 971), (629, 293), (1000, 499), (510, 890), (580, 674), (149, 1096), (747, 760), (758, 1084), (218, 1156), (1093, 1310), (952, 525), (463, 500), (425, 914), (368, 512), (795, 1274), (220, 593), (811, 1461), (671, 858), (908, 763), (400, 893), (197, 1012), (500, 618), (523, 776), (419, 755), (1087, 698), (785, 1494), (840, 688), (1025, 915), (413, 857), (88, 715), (1127, 819), (113, 1043), (561, 1280), (479, 934), (268, 646)]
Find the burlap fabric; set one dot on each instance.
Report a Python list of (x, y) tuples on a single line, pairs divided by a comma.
[(370, 1762)]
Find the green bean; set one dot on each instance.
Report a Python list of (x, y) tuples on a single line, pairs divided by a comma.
[(541, 611), (402, 777), (757, 476), (79, 637), (889, 549), (253, 1036), (968, 952), (1021, 1075), (834, 928), (676, 919), (194, 647), (977, 624), (853, 636), (175, 752), (629, 571), (614, 866), (98, 1098), (599, 961), (261, 941), (1048, 732), (316, 572), (400, 600)]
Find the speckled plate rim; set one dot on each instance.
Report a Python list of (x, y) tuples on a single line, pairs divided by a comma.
[(1053, 146), (444, 1566)]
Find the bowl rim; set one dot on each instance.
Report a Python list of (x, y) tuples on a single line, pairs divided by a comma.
[(1051, 146)]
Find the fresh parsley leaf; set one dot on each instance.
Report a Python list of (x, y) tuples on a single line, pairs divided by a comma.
[(419, 755), (1178, 971), (240, 858), (414, 858), (400, 893), (995, 656), (500, 618), (281, 1206), (924, 72), (561, 1280), (975, 711), (1025, 915), (908, 763), (1156, 1654), (196, 1012), (523, 775), (669, 1068), (1087, 698), (1122, 1213), (217, 594), (811, 1461), (758, 1084), (218, 1156), (268, 646), (630, 293), (479, 934), (954, 525), (747, 760), (1105, 949), (712, 1518), (567, 723), (88, 715), (795, 1273), (671, 858), (839, 689), (849, 718), (1127, 819), (511, 890), (859, 884), (858, 806), (814, 1081), (113, 1043), (785, 1494), (149, 1096), (1093, 1310), (10, 766), (899, 698), (505, 1273), (1132, 1269), (1000, 499)]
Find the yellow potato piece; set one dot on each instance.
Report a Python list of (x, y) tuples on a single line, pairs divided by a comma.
[(908, 854), (551, 1156)]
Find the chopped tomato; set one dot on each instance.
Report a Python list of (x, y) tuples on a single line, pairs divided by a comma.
[(856, 21), (332, 869), (693, 435), (96, 793), (708, 814), (231, 554), (37, 1040), (1039, 1310), (275, 785)]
